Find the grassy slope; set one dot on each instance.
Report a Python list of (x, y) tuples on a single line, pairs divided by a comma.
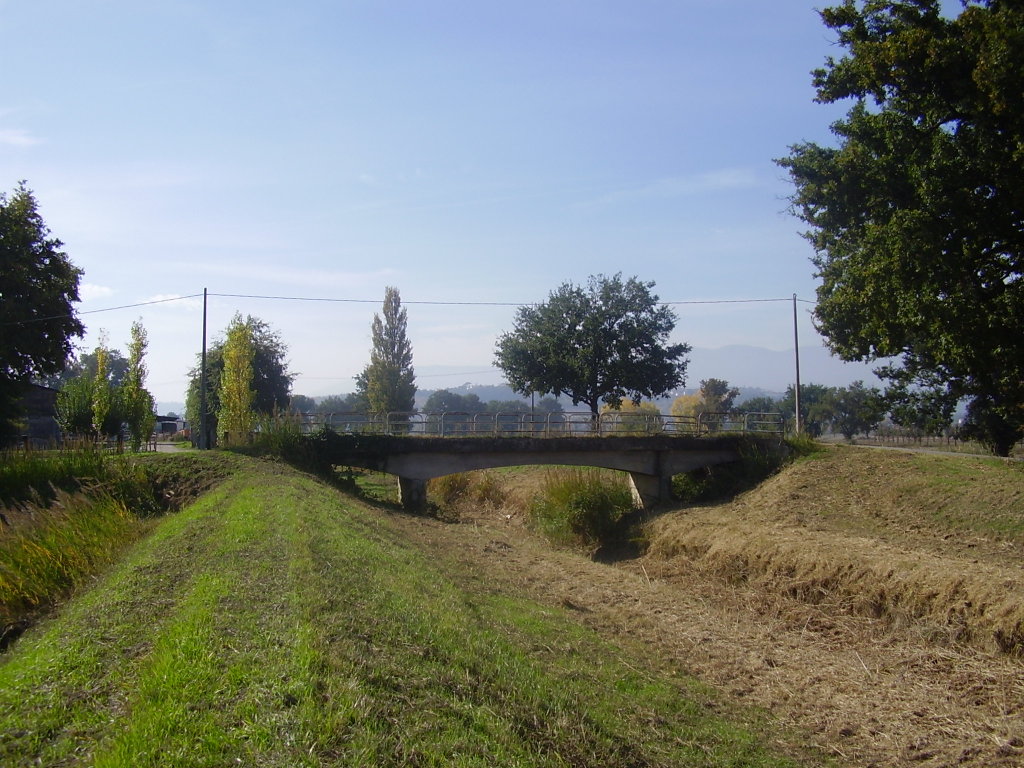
[(892, 494), (915, 538), (275, 623)]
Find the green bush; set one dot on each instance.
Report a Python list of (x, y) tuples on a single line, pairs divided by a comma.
[(581, 507), (478, 488), (449, 490), (281, 435), (758, 462)]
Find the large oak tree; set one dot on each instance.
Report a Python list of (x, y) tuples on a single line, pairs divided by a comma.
[(599, 343), (917, 216), (38, 290)]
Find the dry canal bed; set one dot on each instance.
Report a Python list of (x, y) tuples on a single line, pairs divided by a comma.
[(861, 597)]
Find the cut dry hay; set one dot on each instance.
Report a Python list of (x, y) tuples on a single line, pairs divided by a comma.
[(960, 600), (827, 533)]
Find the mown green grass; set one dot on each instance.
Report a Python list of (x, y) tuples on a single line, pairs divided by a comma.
[(275, 623), (976, 494)]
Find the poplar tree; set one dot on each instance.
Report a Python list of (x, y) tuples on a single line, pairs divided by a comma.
[(388, 381), (271, 380), (103, 391), (137, 400), (237, 396)]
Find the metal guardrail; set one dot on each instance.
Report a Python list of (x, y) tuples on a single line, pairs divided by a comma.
[(572, 423)]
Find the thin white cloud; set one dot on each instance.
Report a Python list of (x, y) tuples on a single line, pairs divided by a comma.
[(723, 179), (175, 301), (91, 291), (16, 137)]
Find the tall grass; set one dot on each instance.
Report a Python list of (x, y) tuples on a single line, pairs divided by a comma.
[(581, 507), (66, 515), (39, 475), (453, 492), (58, 546)]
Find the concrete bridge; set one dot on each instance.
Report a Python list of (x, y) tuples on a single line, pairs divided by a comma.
[(650, 460)]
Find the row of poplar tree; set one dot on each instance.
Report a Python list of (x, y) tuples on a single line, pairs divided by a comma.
[(94, 404)]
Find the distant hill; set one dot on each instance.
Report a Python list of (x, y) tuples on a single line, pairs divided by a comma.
[(165, 407), (755, 371), (774, 370)]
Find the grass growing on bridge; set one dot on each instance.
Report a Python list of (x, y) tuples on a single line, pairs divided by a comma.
[(277, 623)]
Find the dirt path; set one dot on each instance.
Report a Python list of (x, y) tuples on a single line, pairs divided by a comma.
[(870, 694)]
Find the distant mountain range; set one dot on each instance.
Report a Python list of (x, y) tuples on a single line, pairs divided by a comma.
[(755, 371)]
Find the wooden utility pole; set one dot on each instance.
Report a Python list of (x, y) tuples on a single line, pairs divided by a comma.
[(796, 355), (204, 442)]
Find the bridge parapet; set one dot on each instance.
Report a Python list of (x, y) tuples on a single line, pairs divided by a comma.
[(545, 425)]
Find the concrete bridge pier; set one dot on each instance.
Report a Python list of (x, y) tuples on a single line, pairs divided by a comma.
[(650, 490), (412, 494)]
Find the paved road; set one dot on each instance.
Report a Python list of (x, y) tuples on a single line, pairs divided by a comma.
[(172, 447)]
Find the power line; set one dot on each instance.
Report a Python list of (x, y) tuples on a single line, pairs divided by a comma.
[(142, 304), (371, 301), (476, 303), (105, 309)]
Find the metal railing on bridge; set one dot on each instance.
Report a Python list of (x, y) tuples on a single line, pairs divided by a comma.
[(565, 424)]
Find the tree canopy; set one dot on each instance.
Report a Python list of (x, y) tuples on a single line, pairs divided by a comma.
[(271, 381), (85, 365), (350, 403), (857, 409), (446, 401), (816, 407), (99, 401), (603, 342), (301, 404), (389, 382), (38, 290), (714, 396), (917, 216)]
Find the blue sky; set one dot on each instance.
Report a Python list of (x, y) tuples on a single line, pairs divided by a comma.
[(460, 151)]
